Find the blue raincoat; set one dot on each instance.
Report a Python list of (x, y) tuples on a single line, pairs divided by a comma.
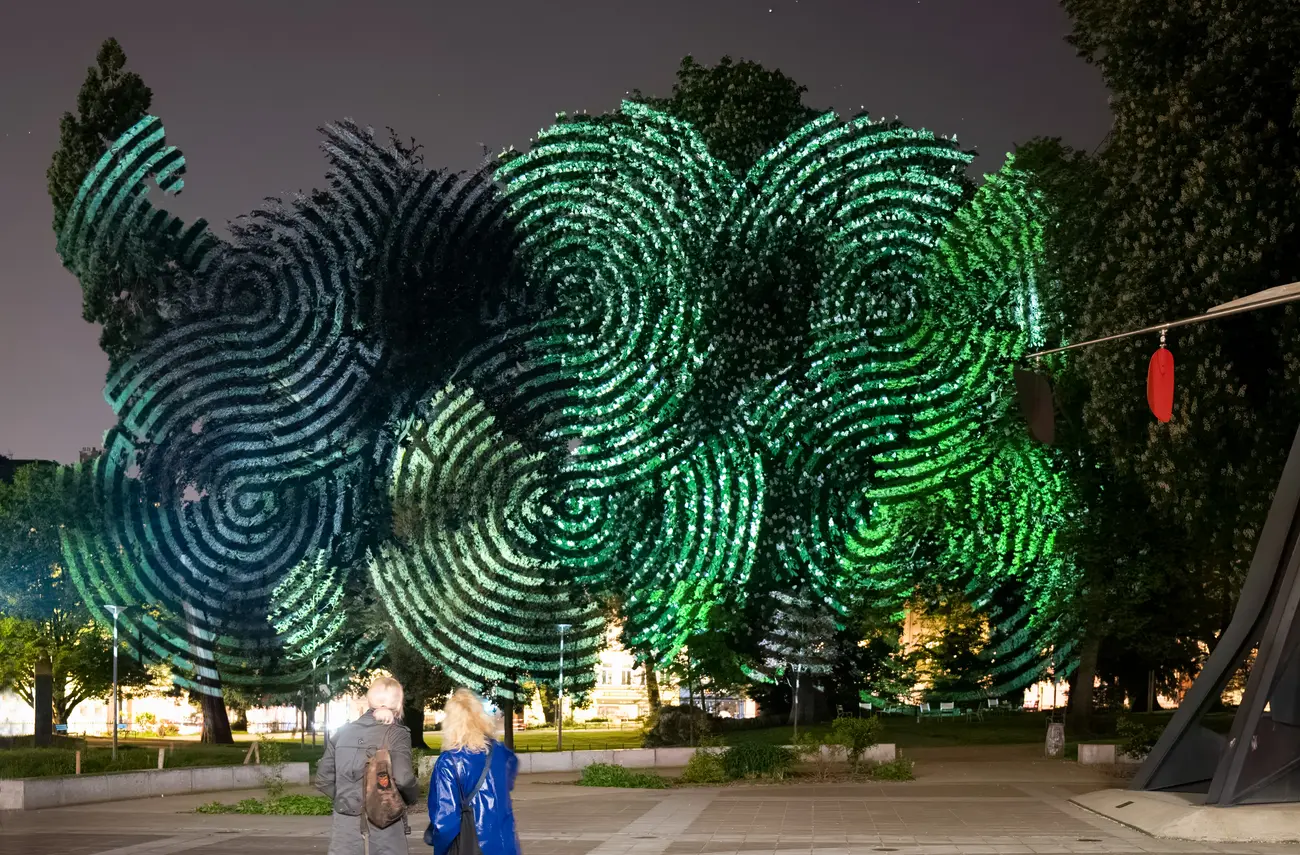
[(455, 773)]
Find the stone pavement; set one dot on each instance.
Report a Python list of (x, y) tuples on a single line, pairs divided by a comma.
[(985, 801)]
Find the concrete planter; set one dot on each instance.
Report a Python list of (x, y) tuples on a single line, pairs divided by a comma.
[(537, 762), (34, 793), (883, 753), (1105, 755)]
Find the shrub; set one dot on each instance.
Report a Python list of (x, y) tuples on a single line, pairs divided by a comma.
[(668, 726), (808, 749), (856, 736), (705, 767), (899, 769), (757, 760), (609, 775), (1137, 738), (272, 757), (283, 806)]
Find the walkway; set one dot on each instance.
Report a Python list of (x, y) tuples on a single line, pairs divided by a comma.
[(985, 801)]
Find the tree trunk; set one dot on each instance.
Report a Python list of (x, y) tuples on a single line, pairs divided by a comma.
[(1080, 701), (216, 722), (547, 699), (59, 701), (803, 704), (508, 721), (413, 718), (652, 687)]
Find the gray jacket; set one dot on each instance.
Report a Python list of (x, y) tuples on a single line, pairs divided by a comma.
[(343, 767)]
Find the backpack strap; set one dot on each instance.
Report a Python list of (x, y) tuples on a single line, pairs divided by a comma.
[(487, 764)]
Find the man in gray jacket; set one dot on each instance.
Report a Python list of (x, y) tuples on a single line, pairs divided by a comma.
[(343, 769)]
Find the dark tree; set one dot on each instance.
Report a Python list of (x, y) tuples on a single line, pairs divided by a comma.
[(424, 685), (742, 109), (1198, 207), (125, 299)]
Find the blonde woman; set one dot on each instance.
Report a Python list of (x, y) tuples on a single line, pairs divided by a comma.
[(472, 780), (343, 768)]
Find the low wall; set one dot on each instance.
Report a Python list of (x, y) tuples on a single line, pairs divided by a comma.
[(34, 793), (535, 762), (1105, 755)]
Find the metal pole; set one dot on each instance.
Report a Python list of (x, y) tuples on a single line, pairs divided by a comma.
[(1207, 316), (559, 715), (796, 703), (115, 610)]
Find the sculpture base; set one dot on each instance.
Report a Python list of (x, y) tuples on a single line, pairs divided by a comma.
[(1184, 816)]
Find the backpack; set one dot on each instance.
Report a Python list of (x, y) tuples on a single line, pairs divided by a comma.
[(466, 842), (381, 803)]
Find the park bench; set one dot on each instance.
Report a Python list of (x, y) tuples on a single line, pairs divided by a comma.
[(60, 728)]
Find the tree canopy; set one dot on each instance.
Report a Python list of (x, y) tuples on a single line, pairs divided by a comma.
[(741, 108), (127, 298)]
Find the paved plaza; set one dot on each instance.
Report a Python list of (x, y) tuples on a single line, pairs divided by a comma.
[(976, 801)]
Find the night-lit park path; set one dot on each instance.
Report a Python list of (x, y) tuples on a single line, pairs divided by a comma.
[(974, 801)]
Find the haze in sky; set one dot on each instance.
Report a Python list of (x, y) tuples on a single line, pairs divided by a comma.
[(242, 88)]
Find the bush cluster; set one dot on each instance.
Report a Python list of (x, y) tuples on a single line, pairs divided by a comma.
[(757, 760), (669, 726), (1137, 738), (609, 775), (894, 770), (705, 767), (282, 806)]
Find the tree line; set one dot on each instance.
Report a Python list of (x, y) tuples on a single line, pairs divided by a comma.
[(1188, 203)]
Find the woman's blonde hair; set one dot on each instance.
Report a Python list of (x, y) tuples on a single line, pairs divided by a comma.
[(385, 699), (466, 725)]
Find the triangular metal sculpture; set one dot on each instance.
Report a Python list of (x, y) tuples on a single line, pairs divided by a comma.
[(1259, 760)]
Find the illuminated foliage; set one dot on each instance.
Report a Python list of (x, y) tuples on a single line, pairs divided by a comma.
[(651, 380), (235, 485)]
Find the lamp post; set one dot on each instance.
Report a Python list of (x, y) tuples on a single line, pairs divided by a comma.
[(798, 668), (559, 715), (115, 610)]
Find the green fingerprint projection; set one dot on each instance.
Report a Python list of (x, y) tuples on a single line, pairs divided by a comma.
[(735, 385), (251, 430), (610, 378)]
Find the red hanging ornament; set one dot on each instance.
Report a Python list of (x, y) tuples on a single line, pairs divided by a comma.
[(1160, 382)]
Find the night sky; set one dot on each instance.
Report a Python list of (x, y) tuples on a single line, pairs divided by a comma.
[(242, 88)]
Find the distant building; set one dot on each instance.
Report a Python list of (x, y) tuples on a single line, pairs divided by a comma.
[(88, 454), (619, 693)]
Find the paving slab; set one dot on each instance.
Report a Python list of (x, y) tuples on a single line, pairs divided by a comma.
[(1180, 816), (997, 801)]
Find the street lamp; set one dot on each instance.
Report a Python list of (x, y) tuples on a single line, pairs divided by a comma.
[(559, 716), (115, 610), (798, 668)]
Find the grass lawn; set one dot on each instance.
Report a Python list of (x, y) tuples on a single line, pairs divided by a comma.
[(133, 754), (543, 739), (44, 762), (1017, 728)]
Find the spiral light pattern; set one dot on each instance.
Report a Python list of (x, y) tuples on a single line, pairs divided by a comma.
[(644, 384), (249, 430), (678, 431)]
